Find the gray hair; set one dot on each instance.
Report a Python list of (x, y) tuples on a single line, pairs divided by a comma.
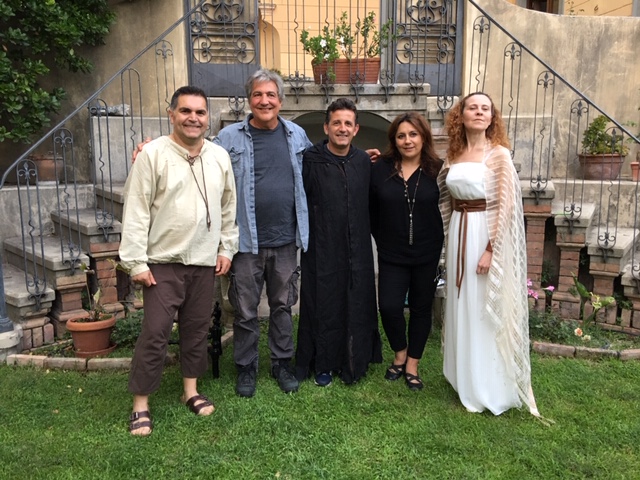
[(265, 75)]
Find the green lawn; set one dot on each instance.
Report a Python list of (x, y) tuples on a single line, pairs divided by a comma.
[(59, 424)]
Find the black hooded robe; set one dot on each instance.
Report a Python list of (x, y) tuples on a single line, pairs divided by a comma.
[(338, 327)]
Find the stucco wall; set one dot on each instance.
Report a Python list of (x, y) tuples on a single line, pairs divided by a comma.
[(597, 55), (138, 23)]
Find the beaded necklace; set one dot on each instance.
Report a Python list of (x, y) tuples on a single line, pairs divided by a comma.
[(411, 202)]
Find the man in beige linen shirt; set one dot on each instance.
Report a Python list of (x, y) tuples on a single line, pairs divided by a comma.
[(178, 231)]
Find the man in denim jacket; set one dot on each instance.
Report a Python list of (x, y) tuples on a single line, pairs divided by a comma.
[(266, 155)]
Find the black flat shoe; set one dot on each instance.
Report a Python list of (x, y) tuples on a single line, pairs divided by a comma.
[(414, 382), (394, 372)]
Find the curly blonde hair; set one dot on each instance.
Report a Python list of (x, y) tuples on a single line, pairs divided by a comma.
[(496, 133)]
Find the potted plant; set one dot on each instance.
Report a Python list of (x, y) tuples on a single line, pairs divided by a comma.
[(360, 45), (49, 166), (91, 333), (602, 153), (635, 167)]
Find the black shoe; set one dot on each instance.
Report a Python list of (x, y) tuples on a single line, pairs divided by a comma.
[(286, 379), (414, 382), (246, 383), (394, 372), (323, 379)]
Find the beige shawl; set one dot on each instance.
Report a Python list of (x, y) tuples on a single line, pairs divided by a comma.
[(506, 305)]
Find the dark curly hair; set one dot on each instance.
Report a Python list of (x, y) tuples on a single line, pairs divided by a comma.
[(429, 161)]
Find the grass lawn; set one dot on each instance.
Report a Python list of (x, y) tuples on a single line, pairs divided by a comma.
[(68, 425)]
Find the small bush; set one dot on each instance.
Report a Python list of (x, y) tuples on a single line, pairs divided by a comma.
[(126, 331), (547, 326)]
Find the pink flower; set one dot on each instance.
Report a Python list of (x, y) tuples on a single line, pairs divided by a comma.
[(529, 282), (550, 288), (532, 293), (578, 332)]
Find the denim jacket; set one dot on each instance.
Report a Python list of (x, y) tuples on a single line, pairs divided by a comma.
[(236, 140)]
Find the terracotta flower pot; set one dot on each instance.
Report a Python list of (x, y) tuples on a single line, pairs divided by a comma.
[(92, 339), (635, 169), (345, 71), (601, 167), (49, 168)]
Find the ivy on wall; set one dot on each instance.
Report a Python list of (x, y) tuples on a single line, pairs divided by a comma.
[(33, 35)]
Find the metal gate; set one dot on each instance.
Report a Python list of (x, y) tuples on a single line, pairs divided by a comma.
[(223, 45), (428, 48), (224, 41)]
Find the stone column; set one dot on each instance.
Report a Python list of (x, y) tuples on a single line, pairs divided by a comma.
[(606, 266), (9, 336), (630, 319), (105, 270), (102, 246), (571, 237), (537, 209)]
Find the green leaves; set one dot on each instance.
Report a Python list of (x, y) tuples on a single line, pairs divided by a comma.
[(596, 301), (30, 32), (596, 140), (580, 288)]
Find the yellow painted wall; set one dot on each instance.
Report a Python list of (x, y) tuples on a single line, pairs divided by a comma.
[(287, 19), (599, 7)]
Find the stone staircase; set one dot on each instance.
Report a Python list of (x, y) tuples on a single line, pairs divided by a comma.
[(55, 265), (42, 316)]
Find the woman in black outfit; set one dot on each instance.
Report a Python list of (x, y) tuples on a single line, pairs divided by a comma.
[(407, 227)]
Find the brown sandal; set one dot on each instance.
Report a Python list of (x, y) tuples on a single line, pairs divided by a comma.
[(204, 402), (136, 421)]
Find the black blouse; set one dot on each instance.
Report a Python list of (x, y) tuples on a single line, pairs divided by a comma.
[(389, 214)]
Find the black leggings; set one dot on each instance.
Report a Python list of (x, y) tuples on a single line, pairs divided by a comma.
[(393, 283)]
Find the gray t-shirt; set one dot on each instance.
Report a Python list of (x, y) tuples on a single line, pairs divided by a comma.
[(274, 187)]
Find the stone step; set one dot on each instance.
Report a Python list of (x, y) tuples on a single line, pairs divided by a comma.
[(111, 199), (58, 258), (596, 193), (25, 303), (92, 229)]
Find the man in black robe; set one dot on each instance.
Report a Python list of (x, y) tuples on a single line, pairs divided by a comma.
[(338, 328)]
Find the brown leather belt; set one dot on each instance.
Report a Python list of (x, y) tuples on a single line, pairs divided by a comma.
[(464, 206)]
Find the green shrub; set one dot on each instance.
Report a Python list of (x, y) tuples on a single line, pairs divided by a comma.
[(31, 33), (126, 331), (549, 327)]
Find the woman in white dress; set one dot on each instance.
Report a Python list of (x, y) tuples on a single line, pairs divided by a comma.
[(486, 328)]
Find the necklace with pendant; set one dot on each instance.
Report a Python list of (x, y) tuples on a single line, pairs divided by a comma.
[(411, 202)]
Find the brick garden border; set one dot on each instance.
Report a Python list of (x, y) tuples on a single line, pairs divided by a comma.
[(86, 364), (569, 351), (94, 364)]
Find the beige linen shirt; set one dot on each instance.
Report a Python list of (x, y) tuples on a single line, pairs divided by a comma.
[(165, 218)]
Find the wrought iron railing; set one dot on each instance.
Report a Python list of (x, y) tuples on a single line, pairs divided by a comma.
[(426, 49), (540, 138), (88, 172)]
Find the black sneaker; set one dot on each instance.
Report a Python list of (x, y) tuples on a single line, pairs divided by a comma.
[(286, 379), (323, 379), (246, 383)]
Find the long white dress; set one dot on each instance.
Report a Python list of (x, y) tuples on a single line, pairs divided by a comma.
[(473, 364)]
